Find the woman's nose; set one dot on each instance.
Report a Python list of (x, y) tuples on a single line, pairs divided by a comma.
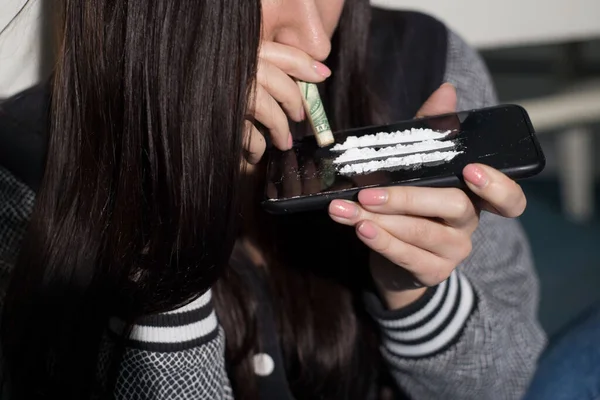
[(296, 23)]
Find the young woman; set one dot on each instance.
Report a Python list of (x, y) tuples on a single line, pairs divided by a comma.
[(133, 275)]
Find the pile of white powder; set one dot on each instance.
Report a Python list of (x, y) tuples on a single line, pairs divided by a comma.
[(387, 150), (394, 162), (366, 153), (389, 138)]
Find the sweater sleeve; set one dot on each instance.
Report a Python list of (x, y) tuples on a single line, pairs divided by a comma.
[(475, 336), (174, 355), (179, 354), (16, 205)]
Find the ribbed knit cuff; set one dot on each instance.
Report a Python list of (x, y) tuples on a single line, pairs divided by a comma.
[(180, 329), (429, 325)]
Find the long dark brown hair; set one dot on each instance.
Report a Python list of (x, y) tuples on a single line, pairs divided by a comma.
[(137, 211)]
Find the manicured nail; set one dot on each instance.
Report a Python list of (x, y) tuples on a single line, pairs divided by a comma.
[(290, 141), (343, 209), (322, 69), (476, 176), (367, 230), (373, 197)]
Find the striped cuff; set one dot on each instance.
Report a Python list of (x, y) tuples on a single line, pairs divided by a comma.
[(430, 325), (189, 326)]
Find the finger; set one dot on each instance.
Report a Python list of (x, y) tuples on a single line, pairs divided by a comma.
[(271, 190), (427, 268), (310, 182), (432, 236), (502, 195), (442, 101), (282, 88), (294, 62), (254, 143), (292, 182), (269, 113), (450, 204)]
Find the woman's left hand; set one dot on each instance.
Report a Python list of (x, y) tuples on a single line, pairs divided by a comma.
[(420, 235)]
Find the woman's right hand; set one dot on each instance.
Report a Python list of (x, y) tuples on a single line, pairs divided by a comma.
[(277, 96)]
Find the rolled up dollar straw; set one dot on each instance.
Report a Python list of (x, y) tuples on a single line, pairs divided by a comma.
[(316, 113)]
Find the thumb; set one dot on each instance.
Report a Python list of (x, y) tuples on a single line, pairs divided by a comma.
[(442, 101)]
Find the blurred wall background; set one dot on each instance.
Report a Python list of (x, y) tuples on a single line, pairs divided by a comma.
[(493, 24), (20, 45)]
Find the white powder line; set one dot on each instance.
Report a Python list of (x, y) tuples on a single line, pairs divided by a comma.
[(392, 162), (390, 138), (369, 153)]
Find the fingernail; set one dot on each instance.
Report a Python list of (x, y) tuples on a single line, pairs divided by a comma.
[(322, 69), (476, 176), (373, 197), (367, 230), (290, 141), (343, 209)]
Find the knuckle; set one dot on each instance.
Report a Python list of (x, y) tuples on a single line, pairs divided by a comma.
[(293, 100), (297, 62), (251, 105), (266, 84), (435, 277), (402, 197), (465, 247), (383, 245), (441, 272), (264, 48), (261, 66), (254, 141), (260, 104), (420, 231), (461, 204)]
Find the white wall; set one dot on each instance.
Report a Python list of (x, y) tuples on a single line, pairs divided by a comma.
[(19, 46), (497, 23)]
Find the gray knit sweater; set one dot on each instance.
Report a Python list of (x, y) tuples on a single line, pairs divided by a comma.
[(475, 336)]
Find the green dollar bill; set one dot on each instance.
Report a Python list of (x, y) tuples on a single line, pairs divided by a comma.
[(316, 113)]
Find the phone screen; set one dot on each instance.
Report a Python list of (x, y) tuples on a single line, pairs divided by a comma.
[(501, 137)]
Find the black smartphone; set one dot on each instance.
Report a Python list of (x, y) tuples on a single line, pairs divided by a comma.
[(428, 151)]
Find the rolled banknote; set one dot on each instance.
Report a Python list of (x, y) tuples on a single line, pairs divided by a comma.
[(316, 113)]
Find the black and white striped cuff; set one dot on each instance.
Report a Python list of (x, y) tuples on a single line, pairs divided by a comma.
[(189, 326), (430, 325)]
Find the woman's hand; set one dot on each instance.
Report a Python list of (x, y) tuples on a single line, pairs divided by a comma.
[(277, 95), (420, 235)]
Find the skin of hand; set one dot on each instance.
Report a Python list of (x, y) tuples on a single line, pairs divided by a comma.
[(296, 37), (419, 235), (416, 234), (277, 96)]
